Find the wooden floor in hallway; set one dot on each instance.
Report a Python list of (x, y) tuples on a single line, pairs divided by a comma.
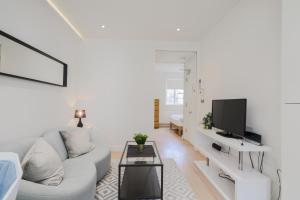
[(171, 146)]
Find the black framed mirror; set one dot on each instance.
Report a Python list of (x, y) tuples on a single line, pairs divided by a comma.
[(21, 60)]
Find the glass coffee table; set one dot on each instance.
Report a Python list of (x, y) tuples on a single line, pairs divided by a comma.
[(140, 172)]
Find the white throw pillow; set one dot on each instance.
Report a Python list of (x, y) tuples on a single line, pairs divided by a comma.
[(77, 142), (42, 164)]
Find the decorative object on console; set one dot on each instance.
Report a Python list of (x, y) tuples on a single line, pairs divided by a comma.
[(80, 114), (140, 139), (207, 121)]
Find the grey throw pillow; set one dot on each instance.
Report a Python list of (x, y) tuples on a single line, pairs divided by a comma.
[(42, 164), (77, 142)]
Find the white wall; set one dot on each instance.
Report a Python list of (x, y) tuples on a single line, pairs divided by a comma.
[(112, 80), (160, 85), (117, 86), (28, 108), (240, 58), (190, 99), (291, 94)]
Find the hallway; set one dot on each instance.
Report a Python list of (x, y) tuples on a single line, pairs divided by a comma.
[(171, 146)]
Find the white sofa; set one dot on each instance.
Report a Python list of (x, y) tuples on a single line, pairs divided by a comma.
[(81, 173)]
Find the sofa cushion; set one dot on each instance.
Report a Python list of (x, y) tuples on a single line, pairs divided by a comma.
[(42, 164), (80, 173), (54, 138), (77, 142), (79, 183)]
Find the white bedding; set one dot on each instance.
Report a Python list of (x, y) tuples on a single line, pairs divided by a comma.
[(177, 119)]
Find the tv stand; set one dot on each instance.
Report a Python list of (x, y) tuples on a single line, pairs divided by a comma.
[(249, 183), (228, 135)]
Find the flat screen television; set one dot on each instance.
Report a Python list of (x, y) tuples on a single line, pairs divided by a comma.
[(229, 115)]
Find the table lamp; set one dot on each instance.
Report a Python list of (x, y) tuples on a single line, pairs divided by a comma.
[(80, 114)]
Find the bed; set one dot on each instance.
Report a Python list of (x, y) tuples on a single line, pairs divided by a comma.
[(176, 123)]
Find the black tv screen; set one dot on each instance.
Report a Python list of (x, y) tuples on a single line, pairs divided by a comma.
[(229, 115)]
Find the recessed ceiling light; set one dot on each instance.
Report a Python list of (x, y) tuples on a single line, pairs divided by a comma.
[(178, 29), (103, 26)]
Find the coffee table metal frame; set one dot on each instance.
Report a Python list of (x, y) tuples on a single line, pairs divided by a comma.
[(141, 164)]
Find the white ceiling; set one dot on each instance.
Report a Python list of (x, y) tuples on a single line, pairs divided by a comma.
[(144, 19)]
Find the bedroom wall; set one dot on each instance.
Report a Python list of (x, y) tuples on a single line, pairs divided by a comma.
[(117, 86), (160, 85), (240, 58), (28, 108)]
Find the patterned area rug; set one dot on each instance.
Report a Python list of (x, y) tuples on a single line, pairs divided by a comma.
[(175, 185)]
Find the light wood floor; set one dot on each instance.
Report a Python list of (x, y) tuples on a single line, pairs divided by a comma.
[(171, 146)]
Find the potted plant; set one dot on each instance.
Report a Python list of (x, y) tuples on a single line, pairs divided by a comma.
[(140, 140), (207, 121)]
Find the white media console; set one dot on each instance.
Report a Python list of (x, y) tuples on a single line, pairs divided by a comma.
[(249, 183)]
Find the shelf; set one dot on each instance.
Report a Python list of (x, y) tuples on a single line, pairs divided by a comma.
[(225, 187), (249, 183), (140, 183), (229, 164), (235, 144)]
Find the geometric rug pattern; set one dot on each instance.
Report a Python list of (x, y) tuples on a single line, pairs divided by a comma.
[(175, 185)]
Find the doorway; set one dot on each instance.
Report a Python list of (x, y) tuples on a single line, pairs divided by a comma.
[(175, 90)]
